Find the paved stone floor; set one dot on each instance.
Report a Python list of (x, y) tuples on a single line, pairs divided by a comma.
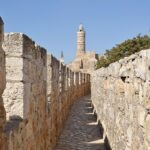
[(81, 131)]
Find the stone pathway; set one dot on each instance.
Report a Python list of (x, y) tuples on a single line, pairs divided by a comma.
[(81, 131)]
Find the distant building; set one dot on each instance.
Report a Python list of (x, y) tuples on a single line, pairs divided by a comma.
[(85, 61)]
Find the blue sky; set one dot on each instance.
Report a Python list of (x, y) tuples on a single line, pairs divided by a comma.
[(53, 23)]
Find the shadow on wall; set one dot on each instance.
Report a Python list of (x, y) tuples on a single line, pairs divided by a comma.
[(101, 130), (107, 145), (90, 109), (106, 141), (12, 124), (92, 118), (81, 130)]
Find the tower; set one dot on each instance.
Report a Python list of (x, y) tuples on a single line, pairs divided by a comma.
[(85, 60), (81, 41)]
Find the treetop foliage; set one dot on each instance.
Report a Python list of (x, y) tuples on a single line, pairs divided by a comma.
[(124, 49)]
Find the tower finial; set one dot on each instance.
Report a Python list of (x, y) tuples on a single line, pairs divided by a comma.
[(81, 28), (62, 55), (62, 58)]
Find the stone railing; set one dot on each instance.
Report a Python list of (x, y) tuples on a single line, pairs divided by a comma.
[(121, 98), (38, 95)]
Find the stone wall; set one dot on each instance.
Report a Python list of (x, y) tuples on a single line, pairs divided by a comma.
[(25, 67), (39, 94), (2, 86), (25, 94), (121, 98), (63, 88)]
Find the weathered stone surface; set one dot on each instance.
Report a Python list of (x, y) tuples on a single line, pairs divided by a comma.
[(63, 88), (25, 93), (120, 95), (24, 67), (13, 99), (39, 94)]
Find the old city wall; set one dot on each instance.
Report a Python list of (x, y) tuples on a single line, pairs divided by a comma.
[(25, 93), (25, 69), (38, 95), (63, 88), (121, 98)]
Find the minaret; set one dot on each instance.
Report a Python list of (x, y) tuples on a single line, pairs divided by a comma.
[(81, 41), (62, 58)]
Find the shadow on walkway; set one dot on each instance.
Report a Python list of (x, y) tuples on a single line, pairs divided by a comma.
[(81, 131)]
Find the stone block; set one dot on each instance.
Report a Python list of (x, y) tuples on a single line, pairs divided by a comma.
[(13, 44), (14, 67)]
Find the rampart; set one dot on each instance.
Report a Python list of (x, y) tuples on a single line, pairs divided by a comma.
[(38, 95), (121, 98), (63, 88), (25, 74)]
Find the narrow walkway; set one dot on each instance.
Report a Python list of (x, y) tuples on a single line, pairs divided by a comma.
[(81, 131)]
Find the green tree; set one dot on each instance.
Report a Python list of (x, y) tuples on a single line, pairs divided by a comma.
[(124, 49)]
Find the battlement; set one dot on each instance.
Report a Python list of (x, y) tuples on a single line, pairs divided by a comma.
[(37, 94), (25, 66)]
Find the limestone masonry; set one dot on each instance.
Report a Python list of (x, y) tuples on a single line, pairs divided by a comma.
[(39, 93), (121, 98)]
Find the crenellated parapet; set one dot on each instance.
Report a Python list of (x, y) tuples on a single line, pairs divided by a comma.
[(63, 88), (25, 68), (39, 93)]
